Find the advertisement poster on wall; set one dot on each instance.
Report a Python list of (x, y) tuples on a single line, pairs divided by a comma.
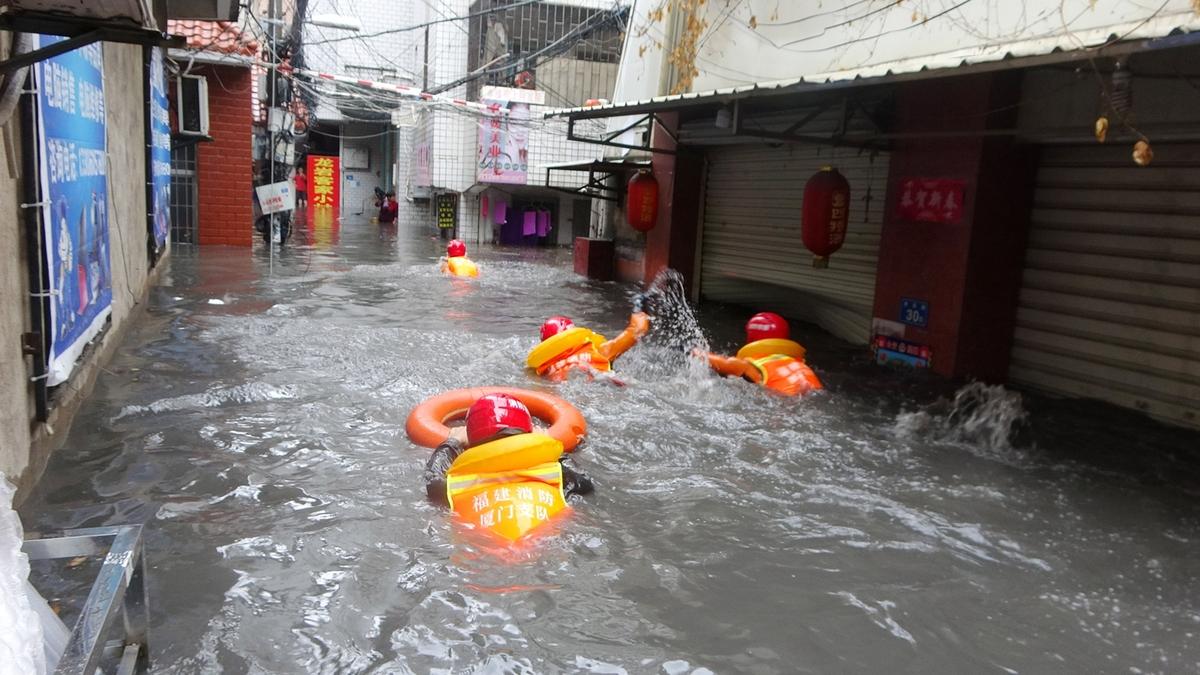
[(503, 153), (324, 181), (160, 150), (72, 154)]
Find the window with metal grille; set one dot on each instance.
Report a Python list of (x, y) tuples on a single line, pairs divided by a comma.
[(184, 194)]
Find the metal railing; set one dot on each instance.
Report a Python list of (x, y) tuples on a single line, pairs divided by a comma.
[(119, 589)]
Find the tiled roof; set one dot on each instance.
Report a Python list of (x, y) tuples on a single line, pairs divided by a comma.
[(224, 37)]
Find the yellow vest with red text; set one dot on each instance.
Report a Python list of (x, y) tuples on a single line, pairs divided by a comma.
[(509, 486)]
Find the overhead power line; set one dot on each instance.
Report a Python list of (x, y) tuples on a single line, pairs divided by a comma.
[(419, 26)]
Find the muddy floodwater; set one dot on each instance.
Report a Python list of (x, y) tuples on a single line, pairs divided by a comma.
[(254, 421)]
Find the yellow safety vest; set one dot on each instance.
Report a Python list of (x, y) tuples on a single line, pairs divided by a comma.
[(461, 266), (509, 486)]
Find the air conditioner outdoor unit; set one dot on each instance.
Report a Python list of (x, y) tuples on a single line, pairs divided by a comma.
[(191, 93)]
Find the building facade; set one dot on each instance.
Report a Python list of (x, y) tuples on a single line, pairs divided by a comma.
[(993, 230), (530, 57), (81, 264), (212, 167)]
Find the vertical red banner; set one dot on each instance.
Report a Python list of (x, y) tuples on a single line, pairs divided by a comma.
[(324, 181)]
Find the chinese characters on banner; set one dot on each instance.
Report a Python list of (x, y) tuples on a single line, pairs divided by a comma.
[(73, 168), (323, 181), (160, 149), (503, 153), (447, 210), (931, 200)]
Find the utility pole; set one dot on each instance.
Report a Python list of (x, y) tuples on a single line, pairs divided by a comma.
[(273, 80)]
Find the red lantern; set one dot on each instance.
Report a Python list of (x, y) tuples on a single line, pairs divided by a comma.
[(825, 213), (641, 202)]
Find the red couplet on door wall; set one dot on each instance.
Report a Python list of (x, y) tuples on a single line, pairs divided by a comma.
[(641, 202), (825, 213), (931, 200)]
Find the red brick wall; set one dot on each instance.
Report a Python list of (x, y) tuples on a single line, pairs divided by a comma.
[(225, 171)]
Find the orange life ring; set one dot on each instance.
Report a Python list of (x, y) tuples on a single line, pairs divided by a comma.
[(426, 424)]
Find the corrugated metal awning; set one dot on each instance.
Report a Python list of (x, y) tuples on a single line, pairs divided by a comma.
[(1159, 32)]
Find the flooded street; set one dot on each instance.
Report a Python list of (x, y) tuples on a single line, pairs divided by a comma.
[(255, 421)]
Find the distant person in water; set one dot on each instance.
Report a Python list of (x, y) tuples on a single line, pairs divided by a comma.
[(301, 182), (456, 261), (388, 208), (769, 358), (566, 347)]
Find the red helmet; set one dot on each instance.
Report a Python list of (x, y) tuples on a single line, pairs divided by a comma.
[(456, 249), (495, 413), (766, 325), (555, 325)]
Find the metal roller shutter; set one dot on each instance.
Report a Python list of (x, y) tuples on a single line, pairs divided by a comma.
[(1110, 298), (752, 253)]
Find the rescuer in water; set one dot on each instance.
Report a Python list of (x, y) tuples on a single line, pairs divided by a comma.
[(456, 261), (565, 347), (769, 358), (505, 478)]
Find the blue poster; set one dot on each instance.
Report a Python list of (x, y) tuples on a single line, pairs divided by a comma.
[(160, 149), (73, 163)]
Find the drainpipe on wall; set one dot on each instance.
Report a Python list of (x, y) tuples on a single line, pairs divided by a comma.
[(37, 341)]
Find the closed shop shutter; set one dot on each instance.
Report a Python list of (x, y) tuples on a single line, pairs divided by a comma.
[(752, 253), (1110, 298)]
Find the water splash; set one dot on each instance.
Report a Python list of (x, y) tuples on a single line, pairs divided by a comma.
[(675, 324), (986, 416)]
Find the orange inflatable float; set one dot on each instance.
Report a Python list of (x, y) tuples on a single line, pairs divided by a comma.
[(426, 424)]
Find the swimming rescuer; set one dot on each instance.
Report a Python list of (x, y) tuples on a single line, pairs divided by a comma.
[(456, 261), (769, 358), (565, 346), (506, 478)]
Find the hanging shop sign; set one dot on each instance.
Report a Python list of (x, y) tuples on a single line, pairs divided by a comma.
[(73, 168), (503, 149), (914, 312), (447, 210), (825, 213), (323, 181), (276, 197), (160, 149), (931, 200)]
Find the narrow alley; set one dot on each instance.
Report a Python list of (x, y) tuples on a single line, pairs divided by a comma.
[(255, 421)]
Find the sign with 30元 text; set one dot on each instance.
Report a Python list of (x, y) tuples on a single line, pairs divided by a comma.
[(931, 200)]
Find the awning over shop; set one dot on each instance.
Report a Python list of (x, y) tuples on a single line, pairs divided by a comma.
[(599, 173), (840, 107)]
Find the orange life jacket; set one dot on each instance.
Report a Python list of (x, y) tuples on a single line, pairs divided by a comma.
[(586, 358), (786, 375), (502, 496)]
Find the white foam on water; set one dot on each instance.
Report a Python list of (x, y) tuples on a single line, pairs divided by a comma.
[(241, 394)]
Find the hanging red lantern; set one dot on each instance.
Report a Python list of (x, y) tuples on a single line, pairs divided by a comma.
[(641, 202), (825, 213)]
